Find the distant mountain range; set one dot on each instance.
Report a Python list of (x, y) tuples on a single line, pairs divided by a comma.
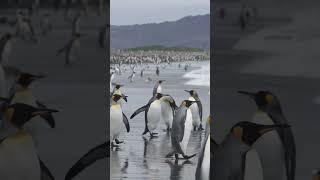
[(190, 31)]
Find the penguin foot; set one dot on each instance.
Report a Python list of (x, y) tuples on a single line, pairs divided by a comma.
[(176, 156), (169, 154), (188, 157), (112, 145), (153, 135), (118, 142), (200, 128)]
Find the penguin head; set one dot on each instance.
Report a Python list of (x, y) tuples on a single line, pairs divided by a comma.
[(18, 114), (192, 93), (161, 81), (248, 132), (118, 86), (187, 103), (264, 100), (117, 97), (25, 79), (316, 174), (7, 36)]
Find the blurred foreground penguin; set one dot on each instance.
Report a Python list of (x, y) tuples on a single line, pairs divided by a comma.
[(203, 167), (97, 153), (19, 159), (181, 130), (230, 158), (277, 149)]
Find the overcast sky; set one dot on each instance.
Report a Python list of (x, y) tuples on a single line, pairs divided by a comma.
[(127, 12)]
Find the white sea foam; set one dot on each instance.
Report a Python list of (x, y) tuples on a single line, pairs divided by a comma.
[(199, 77)]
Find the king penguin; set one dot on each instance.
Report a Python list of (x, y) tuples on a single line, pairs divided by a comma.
[(152, 113), (231, 160), (71, 49), (97, 153), (5, 47), (203, 167), (19, 159), (157, 87), (23, 94), (316, 174), (196, 110), (181, 130), (117, 117), (168, 108), (277, 148)]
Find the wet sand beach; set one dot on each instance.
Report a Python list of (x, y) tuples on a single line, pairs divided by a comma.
[(249, 69), (141, 157)]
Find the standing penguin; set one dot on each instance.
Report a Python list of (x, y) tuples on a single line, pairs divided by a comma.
[(152, 113), (117, 117), (23, 94), (230, 158), (196, 110), (280, 160), (181, 130), (316, 174), (19, 159), (45, 24), (76, 24), (203, 167), (71, 49), (158, 71), (103, 35), (157, 87), (5, 47), (24, 28), (131, 77), (97, 153), (168, 109)]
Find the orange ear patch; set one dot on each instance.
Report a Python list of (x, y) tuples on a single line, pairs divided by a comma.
[(269, 98), (238, 132)]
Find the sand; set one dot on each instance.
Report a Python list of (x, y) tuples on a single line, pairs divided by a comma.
[(296, 93)]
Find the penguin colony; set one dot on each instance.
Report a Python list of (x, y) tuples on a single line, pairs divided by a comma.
[(23, 116)]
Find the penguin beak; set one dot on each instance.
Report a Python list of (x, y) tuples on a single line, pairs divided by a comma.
[(267, 128), (35, 77), (6, 100), (125, 98), (250, 94), (46, 115)]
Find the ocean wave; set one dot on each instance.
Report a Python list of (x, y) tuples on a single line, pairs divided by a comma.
[(199, 77)]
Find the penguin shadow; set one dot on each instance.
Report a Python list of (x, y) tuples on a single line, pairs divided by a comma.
[(176, 169)]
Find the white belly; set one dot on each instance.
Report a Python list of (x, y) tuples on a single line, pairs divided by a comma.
[(19, 161), (270, 149), (154, 115), (187, 131), (159, 89), (167, 114), (195, 114), (116, 122), (205, 166), (253, 168)]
